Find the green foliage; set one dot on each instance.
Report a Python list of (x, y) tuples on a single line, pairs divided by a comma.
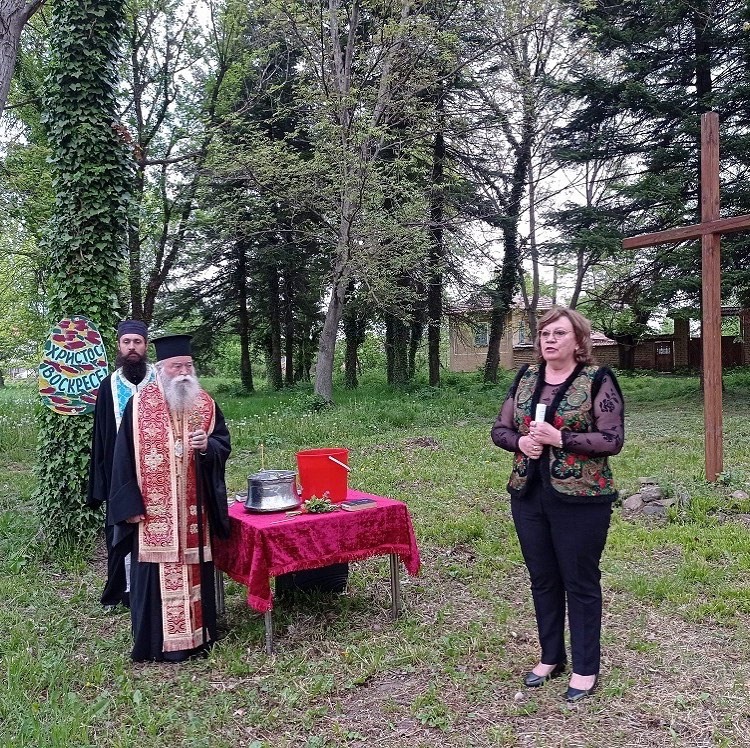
[(430, 709), (65, 454), (652, 70), (91, 163), (26, 200), (86, 244), (21, 324), (334, 162), (343, 673)]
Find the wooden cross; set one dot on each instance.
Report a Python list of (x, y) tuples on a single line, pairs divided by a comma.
[(709, 230)]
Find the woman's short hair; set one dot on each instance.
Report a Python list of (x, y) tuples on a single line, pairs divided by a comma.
[(581, 329)]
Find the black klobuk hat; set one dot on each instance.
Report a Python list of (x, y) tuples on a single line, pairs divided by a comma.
[(169, 346)]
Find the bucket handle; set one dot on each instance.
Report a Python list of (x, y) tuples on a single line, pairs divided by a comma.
[(338, 462)]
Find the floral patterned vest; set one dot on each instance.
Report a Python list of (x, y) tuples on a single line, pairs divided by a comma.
[(571, 477)]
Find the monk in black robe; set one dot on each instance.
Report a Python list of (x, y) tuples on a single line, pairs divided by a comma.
[(133, 373), (167, 498)]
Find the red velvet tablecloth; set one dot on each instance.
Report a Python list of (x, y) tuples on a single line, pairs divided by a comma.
[(261, 547)]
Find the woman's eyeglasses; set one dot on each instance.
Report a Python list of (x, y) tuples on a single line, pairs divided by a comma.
[(553, 334)]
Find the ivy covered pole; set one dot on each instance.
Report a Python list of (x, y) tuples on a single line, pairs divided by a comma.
[(86, 248)]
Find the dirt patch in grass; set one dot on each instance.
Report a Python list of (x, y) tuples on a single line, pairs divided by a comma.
[(17, 467), (448, 673), (665, 682), (422, 442), (99, 559)]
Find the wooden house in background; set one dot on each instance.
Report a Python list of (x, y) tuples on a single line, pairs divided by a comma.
[(469, 329), (469, 333)]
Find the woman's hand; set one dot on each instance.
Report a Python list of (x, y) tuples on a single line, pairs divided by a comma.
[(136, 519), (544, 433), (530, 447)]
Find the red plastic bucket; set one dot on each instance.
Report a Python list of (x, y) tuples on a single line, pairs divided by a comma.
[(320, 472)]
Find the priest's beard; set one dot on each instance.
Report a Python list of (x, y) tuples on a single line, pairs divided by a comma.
[(181, 392), (134, 367)]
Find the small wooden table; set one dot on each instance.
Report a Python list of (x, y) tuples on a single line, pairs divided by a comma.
[(262, 546)]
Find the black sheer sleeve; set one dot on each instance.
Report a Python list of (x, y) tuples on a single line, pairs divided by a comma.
[(609, 422), (504, 432)]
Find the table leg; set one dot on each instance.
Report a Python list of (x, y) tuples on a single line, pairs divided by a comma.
[(219, 587), (269, 632), (395, 585)]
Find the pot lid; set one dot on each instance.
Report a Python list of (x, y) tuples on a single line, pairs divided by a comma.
[(273, 475)]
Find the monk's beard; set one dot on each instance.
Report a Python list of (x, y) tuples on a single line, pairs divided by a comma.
[(181, 392), (133, 369)]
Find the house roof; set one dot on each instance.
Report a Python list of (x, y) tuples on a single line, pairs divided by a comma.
[(599, 338), (481, 301)]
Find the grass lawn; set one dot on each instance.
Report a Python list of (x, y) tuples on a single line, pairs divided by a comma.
[(676, 668)]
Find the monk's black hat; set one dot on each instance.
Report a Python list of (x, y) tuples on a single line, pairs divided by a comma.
[(169, 346)]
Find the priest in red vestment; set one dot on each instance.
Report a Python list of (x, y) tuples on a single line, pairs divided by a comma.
[(167, 499)]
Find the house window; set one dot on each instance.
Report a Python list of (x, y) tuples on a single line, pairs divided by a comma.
[(524, 334), (481, 335)]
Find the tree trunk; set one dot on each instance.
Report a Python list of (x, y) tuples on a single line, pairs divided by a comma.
[(400, 352), (304, 359), (416, 333), (354, 321), (626, 352), (14, 14), (435, 287), (327, 345), (246, 368), (502, 298), (135, 268), (353, 174), (350, 363), (91, 170), (288, 328), (273, 343), (2, 379), (389, 335), (243, 318), (507, 278), (534, 254)]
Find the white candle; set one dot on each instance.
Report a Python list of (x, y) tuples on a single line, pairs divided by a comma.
[(541, 411)]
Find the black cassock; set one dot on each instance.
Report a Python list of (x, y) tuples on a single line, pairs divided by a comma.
[(125, 501), (100, 477)]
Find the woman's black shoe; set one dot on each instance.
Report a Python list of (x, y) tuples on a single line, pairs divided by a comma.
[(576, 694), (532, 680)]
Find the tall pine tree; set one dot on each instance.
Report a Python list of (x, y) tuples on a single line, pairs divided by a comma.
[(662, 66)]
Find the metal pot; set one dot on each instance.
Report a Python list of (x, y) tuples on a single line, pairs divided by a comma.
[(272, 491)]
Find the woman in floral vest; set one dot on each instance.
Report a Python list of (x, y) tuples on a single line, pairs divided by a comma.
[(562, 491)]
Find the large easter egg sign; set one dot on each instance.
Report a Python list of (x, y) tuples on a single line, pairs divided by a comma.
[(74, 364)]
